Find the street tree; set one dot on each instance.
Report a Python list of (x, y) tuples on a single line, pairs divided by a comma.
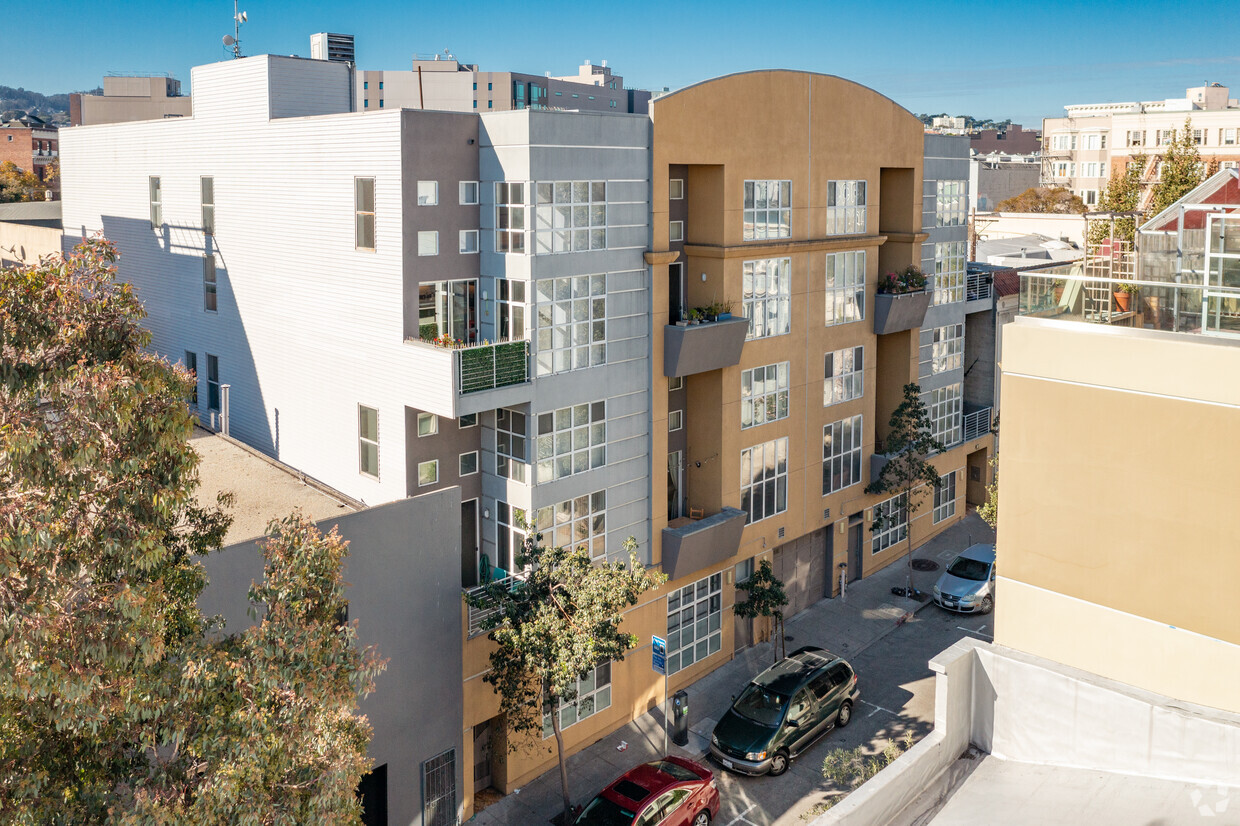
[(1181, 170), (908, 474), (119, 700), (765, 598), (552, 629), (1054, 199)]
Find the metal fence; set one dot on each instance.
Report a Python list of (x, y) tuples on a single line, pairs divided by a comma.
[(977, 286), (478, 615), (977, 423)]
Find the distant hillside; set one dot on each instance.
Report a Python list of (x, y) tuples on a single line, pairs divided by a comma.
[(970, 121), (45, 106)]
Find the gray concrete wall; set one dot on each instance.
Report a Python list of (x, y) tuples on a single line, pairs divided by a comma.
[(403, 575)]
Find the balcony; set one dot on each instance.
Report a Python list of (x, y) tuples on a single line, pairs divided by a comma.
[(699, 348), (895, 313), (479, 614), (976, 423), (977, 286), (470, 378), (691, 545)]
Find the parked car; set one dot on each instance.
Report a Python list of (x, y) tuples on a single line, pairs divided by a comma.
[(784, 711), (668, 792), (968, 584)]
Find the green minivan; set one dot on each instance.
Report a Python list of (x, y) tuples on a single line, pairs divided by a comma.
[(784, 711)]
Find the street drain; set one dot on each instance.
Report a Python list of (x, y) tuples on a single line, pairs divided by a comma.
[(925, 565)]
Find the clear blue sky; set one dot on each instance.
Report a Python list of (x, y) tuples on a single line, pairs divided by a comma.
[(1023, 61)]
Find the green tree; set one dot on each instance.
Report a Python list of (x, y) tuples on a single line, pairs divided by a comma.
[(1053, 199), (119, 700), (766, 598), (1122, 194), (908, 473), (18, 185), (552, 629), (1182, 170)]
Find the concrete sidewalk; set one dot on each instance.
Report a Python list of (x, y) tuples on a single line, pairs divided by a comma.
[(844, 625)]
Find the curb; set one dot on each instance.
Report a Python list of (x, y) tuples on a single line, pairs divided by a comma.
[(896, 624)]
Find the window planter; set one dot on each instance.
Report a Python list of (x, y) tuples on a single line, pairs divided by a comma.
[(894, 313), (699, 348)]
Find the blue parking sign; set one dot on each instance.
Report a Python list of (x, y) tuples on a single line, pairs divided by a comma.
[(658, 655)]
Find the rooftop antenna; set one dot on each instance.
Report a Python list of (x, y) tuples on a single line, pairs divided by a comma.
[(234, 39)]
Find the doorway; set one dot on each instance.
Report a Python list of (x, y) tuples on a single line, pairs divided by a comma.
[(676, 292), (469, 543), (675, 486), (482, 756), (975, 488), (856, 536)]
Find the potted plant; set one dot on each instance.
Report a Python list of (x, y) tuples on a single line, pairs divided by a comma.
[(723, 310), (1123, 295), (901, 302), (695, 316), (1057, 287), (908, 280)]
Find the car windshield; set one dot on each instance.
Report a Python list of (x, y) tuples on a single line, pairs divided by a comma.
[(971, 569), (675, 770), (760, 705), (603, 812)]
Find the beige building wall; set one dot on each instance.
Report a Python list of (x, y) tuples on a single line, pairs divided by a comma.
[(1118, 531), (27, 243)]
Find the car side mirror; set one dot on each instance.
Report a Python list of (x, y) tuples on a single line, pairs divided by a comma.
[(794, 723)]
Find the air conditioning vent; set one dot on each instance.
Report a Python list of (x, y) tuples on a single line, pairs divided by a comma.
[(781, 533), (826, 513)]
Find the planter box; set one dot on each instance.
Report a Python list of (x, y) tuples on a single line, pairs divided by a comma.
[(699, 348), (896, 313), (702, 543)]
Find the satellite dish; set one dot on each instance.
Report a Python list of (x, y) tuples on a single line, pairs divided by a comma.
[(229, 40)]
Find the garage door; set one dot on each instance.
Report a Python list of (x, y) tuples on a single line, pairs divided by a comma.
[(801, 565)]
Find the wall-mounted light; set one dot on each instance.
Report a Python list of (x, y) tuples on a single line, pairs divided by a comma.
[(486, 513), (703, 276)]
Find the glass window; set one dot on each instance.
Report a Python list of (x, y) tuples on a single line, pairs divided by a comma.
[(191, 364), (468, 241), (510, 212), (675, 383), (428, 424), (767, 210), (468, 420), (510, 525), (844, 377), (208, 206), (892, 516), (209, 295), (841, 454), (468, 194), (743, 570), (946, 350), (675, 231), (570, 216), (428, 473), (676, 189), (428, 242), (675, 420), (949, 260), (580, 522), (368, 441), (845, 287), (593, 696), (945, 497), (448, 309), (467, 463), (364, 213), (511, 453), (767, 296), (694, 618), (428, 193), (157, 202), (510, 307), (951, 203), (764, 394), (945, 408), (571, 323), (571, 440), (764, 480), (845, 207), (213, 383)]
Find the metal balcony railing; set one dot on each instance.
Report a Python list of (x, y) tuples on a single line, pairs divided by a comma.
[(977, 424), (977, 286), (478, 615)]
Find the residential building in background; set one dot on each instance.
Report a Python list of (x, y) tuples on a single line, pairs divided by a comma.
[(328, 46), (29, 231), (1096, 141), (31, 144), (995, 177), (128, 98), (1011, 140)]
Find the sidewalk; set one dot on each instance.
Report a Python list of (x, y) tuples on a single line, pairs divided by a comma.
[(844, 625)]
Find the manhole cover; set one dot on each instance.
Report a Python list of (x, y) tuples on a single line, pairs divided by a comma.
[(925, 565)]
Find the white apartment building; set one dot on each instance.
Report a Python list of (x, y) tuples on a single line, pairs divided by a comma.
[(1095, 141)]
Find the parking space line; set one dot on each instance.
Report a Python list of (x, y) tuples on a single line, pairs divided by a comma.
[(877, 709), (740, 818), (971, 631)]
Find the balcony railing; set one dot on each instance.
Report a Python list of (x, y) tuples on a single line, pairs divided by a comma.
[(489, 366), (977, 286), (977, 424), (479, 615)]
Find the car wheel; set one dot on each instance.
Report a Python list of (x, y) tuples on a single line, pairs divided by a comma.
[(988, 604), (845, 716), (779, 764), (702, 819)]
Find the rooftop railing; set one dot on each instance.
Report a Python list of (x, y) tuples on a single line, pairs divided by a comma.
[(479, 615)]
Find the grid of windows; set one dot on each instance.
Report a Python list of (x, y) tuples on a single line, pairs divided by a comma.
[(593, 695), (511, 453), (694, 619), (845, 287), (946, 409), (844, 376), (572, 323), (845, 207), (841, 454), (571, 216), (768, 210), (764, 480), (767, 296), (945, 497), (892, 517), (571, 440), (208, 206), (580, 522), (764, 394), (209, 286), (946, 349), (367, 440), (951, 203), (949, 259), (509, 217), (364, 213), (157, 202)]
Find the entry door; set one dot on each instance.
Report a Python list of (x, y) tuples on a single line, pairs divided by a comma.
[(856, 536), (469, 543), (482, 756), (675, 486), (676, 292)]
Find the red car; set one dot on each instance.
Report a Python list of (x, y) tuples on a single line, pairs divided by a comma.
[(668, 792)]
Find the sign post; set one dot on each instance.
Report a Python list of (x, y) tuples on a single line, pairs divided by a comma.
[(658, 661)]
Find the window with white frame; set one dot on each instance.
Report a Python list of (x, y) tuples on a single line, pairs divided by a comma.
[(951, 203), (367, 439), (207, 186), (593, 696), (694, 622), (764, 394), (743, 570), (468, 420), (1164, 137), (1228, 136), (213, 386), (428, 242), (675, 420), (945, 407), (571, 440), (428, 473), (946, 349), (580, 522), (843, 376), (764, 480), (510, 217), (1135, 137), (845, 287), (1060, 169), (428, 193), (510, 309), (1199, 137), (676, 189), (845, 207), (510, 524), (1061, 140), (570, 216), (467, 193), (841, 454), (468, 241), (157, 202), (511, 444), (675, 231), (767, 296), (209, 286), (675, 383), (1090, 169), (572, 323), (364, 213), (428, 424), (1089, 196), (949, 267), (945, 497), (768, 210), (467, 463), (892, 518)]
